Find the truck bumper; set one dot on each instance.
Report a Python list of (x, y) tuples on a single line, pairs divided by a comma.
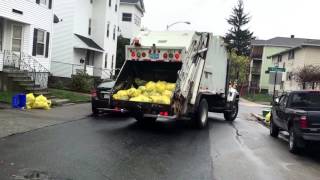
[(311, 136), (113, 110), (160, 117)]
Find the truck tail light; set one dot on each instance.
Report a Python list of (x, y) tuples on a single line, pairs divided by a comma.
[(165, 56), (93, 93), (177, 56), (133, 54), (303, 122), (144, 54)]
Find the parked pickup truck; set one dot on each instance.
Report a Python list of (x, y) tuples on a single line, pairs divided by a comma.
[(298, 113)]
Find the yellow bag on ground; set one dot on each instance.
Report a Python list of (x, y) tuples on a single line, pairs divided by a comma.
[(30, 100), (268, 116), (41, 102)]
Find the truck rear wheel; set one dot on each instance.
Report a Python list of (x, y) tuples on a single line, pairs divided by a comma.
[(232, 115), (201, 118)]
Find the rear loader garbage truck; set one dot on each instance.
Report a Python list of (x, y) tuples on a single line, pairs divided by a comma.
[(175, 75)]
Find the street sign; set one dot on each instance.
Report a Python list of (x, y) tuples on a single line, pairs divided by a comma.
[(276, 69)]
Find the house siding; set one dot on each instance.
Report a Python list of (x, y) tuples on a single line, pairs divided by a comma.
[(76, 15), (34, 16), (266, 63), (129, 29)]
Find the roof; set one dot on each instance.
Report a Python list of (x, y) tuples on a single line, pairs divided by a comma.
[(136, 2), (307, 43), (282, 42), (89, 43)]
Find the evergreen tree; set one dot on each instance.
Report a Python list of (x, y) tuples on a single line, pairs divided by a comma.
[(238, 39)]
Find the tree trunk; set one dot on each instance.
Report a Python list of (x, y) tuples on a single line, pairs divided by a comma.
[(303, 85)]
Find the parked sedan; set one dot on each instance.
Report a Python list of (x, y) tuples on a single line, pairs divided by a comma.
[(298, 113), (100, 98)]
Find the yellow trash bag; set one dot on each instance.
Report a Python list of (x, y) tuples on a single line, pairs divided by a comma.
[(165, 100), (133, 92), (151, 86), (267, 118), (30, 100), (141, 98), (170, 86), (142, 89), (161, 86), (167, 93), (41, 102), (121, 95)]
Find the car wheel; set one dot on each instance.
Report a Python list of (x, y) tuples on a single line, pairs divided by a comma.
[(293, 142), (201, 118), (232, 115), (274, 129)]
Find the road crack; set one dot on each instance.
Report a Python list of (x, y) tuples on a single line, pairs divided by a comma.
[(237, 133)]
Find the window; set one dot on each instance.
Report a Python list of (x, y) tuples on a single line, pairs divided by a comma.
[(279, 58), (305, 100), (40, 42), (114, 32), (137, 20), (110, 3), (108, 29), (106, 61), (89, 29), (116, 7), (17, 38), (126, 17), (112, 62), (291, 54)]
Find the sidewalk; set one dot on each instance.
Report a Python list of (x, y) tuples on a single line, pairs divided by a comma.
[(252, 104), (19, 121)]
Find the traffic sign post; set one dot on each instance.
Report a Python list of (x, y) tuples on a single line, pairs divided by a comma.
[(275, 69)]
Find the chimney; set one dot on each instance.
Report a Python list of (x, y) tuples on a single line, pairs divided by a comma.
[(292, 36)]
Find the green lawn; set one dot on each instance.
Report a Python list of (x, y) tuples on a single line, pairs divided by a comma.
[(6, 96), (72, 96), (258, 97)]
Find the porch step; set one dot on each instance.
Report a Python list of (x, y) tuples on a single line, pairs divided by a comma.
[(14, 71)]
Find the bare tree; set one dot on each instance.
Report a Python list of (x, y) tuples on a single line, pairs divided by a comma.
[(308, 74)]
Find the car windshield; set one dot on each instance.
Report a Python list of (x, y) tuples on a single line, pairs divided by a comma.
[(306, 100), (109, 84)]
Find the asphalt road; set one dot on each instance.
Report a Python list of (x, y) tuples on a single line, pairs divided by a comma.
[(118, 148)]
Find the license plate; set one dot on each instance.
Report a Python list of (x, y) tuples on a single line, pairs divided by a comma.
[(154, 56), (106, 96)]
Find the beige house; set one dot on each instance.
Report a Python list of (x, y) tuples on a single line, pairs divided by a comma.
[(291, 60)]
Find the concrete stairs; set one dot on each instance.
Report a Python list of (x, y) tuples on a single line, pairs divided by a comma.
[(23, 80)]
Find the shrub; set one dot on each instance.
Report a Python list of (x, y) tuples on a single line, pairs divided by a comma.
[(81, 82)]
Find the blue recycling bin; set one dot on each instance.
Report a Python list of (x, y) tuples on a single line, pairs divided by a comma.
[(19, 101)]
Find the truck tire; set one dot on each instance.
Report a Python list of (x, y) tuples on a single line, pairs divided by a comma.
[(232, 115), (293, 142), (274, 129), (201, 116)]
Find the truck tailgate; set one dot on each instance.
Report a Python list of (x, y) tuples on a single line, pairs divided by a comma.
[(314, 119)]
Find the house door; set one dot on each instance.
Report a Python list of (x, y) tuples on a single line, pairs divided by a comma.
[(16, 44), (16, 38), (1, 34)]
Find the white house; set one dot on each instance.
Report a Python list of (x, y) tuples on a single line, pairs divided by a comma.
[(85, 37), (25, 35), (131, 12)]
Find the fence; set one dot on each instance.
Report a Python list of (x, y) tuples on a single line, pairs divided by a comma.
[(61, 69)]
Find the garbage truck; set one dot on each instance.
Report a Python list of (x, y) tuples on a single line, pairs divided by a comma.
[(175, 76)]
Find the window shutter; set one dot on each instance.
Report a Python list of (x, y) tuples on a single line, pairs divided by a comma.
[(34, 47), (50, 4), (38, 1), (47, 44)]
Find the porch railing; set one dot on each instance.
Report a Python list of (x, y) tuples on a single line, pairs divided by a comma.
[(62, 69), (13, 61)]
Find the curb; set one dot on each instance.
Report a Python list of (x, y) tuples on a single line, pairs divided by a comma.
[(260, 118)]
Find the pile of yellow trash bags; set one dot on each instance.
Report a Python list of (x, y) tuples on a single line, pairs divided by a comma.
[(159, 92), (39, 102)]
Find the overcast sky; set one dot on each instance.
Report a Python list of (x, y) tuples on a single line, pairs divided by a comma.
[(269, 18)]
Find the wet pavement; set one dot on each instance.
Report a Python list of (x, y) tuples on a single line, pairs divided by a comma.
[(118, 148)]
